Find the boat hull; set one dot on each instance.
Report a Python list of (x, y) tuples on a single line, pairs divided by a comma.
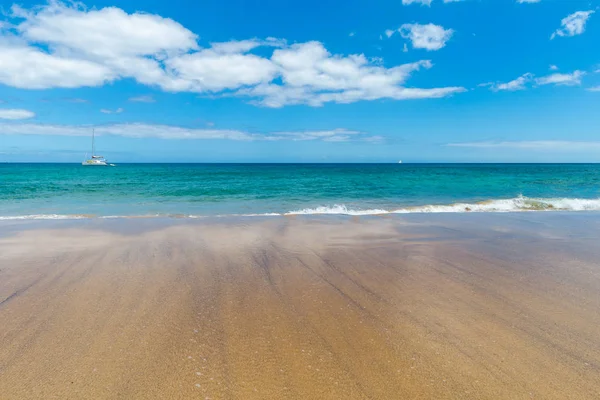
[(94, 164)]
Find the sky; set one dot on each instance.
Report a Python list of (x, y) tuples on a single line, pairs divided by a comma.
[(303, 81)]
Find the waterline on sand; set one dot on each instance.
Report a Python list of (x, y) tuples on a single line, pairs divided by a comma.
[(518, 204)]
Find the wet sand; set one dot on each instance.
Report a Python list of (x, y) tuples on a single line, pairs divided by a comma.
[(489, 306)]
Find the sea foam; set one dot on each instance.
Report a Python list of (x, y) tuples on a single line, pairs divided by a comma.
[(336, 209), (45, 216), (517, 204)]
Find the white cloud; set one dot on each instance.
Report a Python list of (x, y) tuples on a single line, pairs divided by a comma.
[(69, 46), (277, 96), (106, 33), (593, 89), (334, 135), (15, 113), (310, 64), (571, 79), (107, 111), (514, 85), (89, 47), (311, 75), (212, 70), (30, 68), (142, 99), (553, 68), (520, 83), (244, 46), (426, 2), (528, 1), (429, 37), (561, 145), (422, 2), (139, 130), (573, 24)]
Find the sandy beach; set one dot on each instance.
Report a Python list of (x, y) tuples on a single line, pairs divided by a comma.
[(502, 306)]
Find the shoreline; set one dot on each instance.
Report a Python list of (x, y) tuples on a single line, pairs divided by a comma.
[(366, 214), (472, 206), (478, 306)]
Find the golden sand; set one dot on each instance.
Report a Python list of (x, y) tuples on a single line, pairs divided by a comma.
[(299, 309)]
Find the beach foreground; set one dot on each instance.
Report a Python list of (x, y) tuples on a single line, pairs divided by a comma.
[(502, 306)]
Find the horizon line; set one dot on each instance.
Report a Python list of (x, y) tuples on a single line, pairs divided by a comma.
[(310, 163)]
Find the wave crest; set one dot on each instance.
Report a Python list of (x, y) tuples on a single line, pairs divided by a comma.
[(45, 216), (518, 204)]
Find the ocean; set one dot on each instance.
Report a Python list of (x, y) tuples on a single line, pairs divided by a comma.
[(57, 191)]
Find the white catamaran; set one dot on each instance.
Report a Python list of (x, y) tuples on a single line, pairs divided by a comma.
[(99, 161)]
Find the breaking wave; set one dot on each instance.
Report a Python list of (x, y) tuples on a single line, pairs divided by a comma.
[(45, 216), (518, 204)]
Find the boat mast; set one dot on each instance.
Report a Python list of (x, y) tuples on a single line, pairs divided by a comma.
[(93, 144)]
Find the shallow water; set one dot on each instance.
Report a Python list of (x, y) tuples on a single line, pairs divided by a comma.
[(183, 190)]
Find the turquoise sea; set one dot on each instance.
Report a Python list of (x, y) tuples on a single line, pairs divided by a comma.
[(194, 190)]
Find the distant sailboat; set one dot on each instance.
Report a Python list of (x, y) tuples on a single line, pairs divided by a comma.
[(98, 161), (400, 162)]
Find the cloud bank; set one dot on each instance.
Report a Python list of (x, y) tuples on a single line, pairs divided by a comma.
[(69, 46), (141, 130), (14, 113), (558, 145)]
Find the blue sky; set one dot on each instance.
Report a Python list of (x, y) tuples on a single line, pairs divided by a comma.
[(311, 81)]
